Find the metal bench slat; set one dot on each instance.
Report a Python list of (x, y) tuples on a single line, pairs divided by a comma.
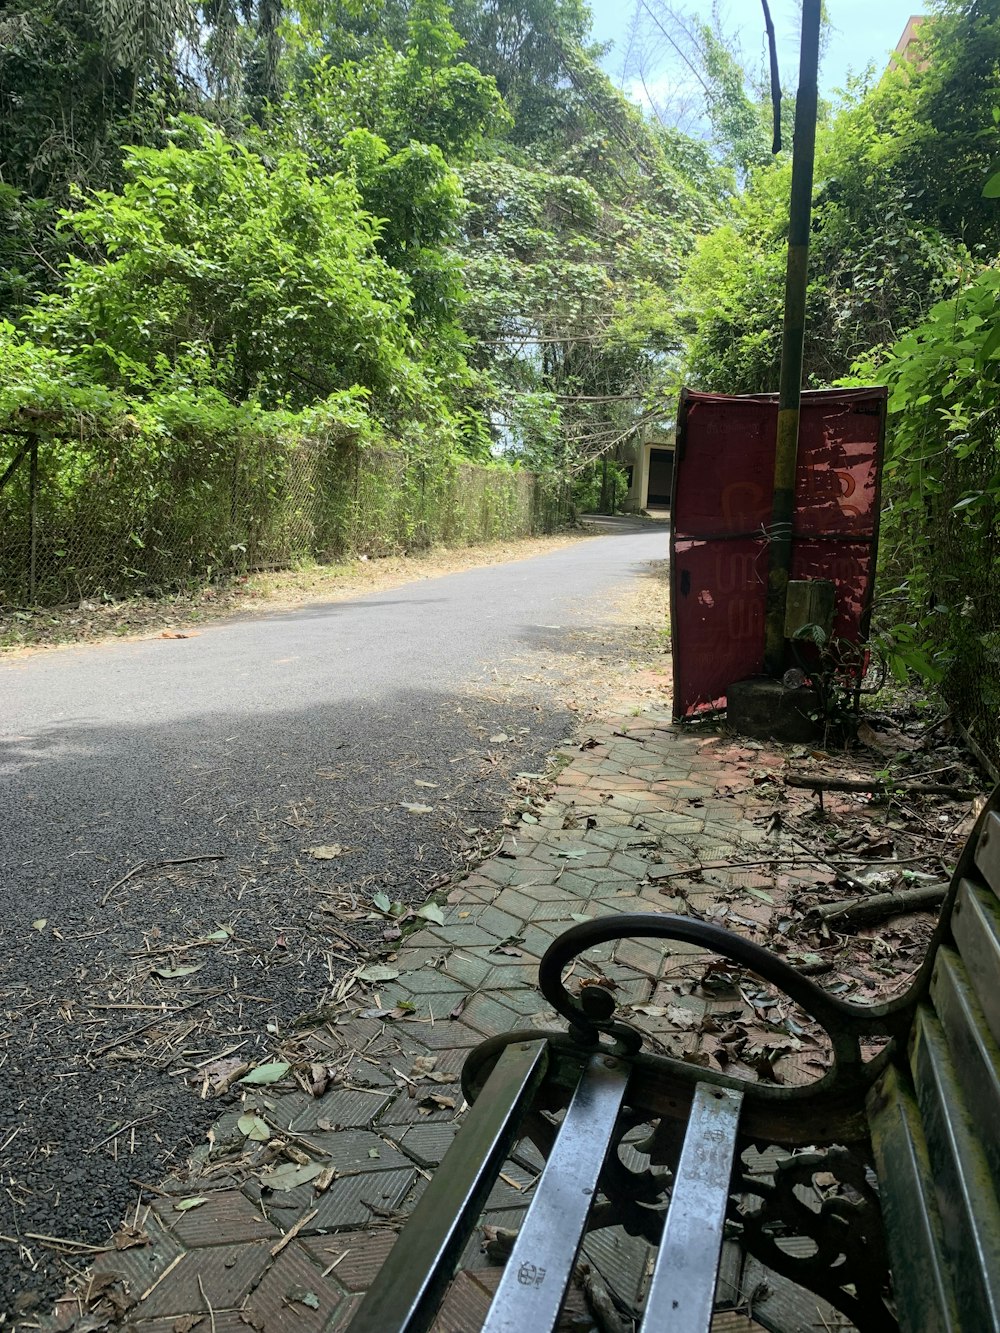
[(687, 1266), (925, 1298), (420, 1264), (531, 1292), (966, 1195), (974, 1053), (975, 926)]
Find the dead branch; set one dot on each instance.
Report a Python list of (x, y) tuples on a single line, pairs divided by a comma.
[(878, 787), (832, 862), (850, 913)]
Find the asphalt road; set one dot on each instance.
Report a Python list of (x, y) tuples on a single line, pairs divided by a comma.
[(250, 742)]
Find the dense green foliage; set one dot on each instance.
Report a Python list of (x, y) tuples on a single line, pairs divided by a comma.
[(898, 212), (449, 215), (286, 304), (442, 230)]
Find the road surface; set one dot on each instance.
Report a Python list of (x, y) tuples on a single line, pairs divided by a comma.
[(363, 727)]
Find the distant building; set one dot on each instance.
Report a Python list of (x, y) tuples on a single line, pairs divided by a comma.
[(902, 52), (650, 467)]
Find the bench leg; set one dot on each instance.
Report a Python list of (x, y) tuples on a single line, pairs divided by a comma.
[(683, 1288)]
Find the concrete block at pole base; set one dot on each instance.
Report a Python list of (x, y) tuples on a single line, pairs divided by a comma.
[(767, 709)]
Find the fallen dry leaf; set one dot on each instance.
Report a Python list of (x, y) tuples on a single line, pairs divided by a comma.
[(604, 982), (378, 972), (289, 1175), (327, 852), (129, 1238), (186, 970), (434, 1101)]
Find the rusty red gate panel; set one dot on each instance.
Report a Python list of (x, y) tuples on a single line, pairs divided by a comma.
[(721, 515)]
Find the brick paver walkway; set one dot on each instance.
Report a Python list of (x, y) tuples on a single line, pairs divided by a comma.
[(637, 800)]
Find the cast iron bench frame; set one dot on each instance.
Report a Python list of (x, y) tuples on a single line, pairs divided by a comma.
[(912, 1136)]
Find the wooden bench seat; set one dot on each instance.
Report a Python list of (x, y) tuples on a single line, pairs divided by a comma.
[(935, 1117)]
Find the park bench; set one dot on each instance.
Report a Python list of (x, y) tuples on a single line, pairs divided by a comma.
[(908, 1237)]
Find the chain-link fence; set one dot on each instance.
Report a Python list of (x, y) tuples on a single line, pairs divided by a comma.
[(963, 555), (91, 517)]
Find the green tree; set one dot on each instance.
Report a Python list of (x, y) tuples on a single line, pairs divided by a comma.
[(523, 46), (572, 283), (82, 79), (216, 269), (898, 210), (938, 120)]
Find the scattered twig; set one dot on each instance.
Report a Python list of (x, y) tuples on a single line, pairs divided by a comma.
[(133, 1124), (204, 1297), (292, 1232), (10, 1138), (795, 834), (221, 1055), (159, 865), (339, 1259), (136, 1032), (60, 1243)]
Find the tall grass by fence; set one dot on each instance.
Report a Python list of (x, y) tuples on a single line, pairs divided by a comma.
[(89, 518)]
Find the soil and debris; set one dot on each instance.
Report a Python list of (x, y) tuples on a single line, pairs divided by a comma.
[(784, 858), (115, 1023)]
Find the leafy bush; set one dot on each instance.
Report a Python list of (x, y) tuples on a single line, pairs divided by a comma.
[(214, 269), (942, 480)]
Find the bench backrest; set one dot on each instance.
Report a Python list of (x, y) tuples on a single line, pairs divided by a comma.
[(935, 1118)]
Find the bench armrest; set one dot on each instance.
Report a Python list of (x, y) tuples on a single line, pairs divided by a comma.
[(590, 1015)]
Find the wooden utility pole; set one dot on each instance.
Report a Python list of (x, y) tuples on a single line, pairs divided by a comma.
[(790, 387)]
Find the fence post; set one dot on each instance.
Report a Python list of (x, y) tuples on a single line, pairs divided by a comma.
[(32, 520)]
